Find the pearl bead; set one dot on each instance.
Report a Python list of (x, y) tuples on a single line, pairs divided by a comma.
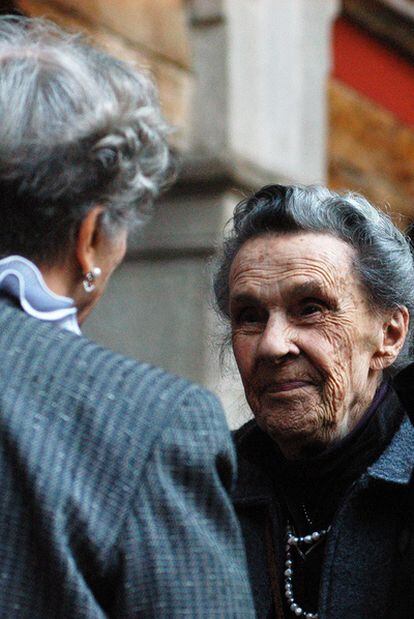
[(292, 540)]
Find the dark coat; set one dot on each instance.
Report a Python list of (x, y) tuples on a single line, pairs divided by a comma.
[(368, 569), (114, 480)]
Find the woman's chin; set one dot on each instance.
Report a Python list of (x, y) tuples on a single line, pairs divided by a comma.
[(294, 431)]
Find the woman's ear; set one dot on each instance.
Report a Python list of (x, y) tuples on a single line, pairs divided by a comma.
[(87, 240), (394, 333)]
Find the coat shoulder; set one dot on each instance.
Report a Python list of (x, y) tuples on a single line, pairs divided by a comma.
[(100, 411)]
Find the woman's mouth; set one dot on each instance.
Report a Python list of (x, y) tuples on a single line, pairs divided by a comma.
[(285, 386)]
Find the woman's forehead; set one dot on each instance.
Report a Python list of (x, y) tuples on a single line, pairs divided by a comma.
[(315, 255), (273, 270)]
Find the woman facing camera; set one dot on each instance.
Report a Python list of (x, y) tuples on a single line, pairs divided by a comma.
[(318, 291), (114, 474)]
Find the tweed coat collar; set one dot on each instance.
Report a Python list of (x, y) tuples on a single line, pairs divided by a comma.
[(396, 464)]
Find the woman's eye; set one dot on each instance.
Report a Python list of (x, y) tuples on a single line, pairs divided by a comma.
[(311, 308), (248, 315)]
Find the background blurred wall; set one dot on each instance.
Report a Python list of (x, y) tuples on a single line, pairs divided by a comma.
[(260, 92), (371, 103)]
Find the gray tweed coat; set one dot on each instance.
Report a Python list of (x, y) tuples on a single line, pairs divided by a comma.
[(114, 480)]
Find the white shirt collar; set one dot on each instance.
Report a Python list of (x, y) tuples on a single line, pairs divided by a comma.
[(22, 280)]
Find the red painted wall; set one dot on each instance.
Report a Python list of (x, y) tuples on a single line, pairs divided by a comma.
[(375, 70)]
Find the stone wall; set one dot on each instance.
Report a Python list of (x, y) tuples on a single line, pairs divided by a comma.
[(371, 119), (370, 151), (153, 35)]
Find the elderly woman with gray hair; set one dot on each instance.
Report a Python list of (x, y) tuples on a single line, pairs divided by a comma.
[(318, 290), (114, 474)]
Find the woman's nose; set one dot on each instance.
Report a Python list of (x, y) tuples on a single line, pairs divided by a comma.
[(277, 339)]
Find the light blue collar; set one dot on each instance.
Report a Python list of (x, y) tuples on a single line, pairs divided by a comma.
[(22, 280)]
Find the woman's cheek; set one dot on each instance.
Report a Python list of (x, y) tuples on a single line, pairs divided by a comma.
[(243, 349), (330, 358)]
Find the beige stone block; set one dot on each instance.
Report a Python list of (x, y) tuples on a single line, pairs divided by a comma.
[(71, 21), (159, 25), (370, 151), (175, 88), (174, 83)]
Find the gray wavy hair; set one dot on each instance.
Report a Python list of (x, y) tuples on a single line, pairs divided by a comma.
[(384, 260), (78, 128)]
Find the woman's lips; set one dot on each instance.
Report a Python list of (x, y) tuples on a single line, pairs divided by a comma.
[(283, 387)]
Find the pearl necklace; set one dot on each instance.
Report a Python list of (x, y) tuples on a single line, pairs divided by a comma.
[(311, 541)]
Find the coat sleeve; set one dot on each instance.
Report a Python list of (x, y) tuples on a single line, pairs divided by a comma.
[(183, 554)]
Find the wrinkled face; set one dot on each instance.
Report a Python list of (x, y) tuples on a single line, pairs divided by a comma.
[(304, 338)]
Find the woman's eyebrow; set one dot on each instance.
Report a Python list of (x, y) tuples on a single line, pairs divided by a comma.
[(244, 297), (305, 289), (314, 290), (308, 289)]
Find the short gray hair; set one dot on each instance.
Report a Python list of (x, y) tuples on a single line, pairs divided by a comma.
[(78, 128), (384, 259)]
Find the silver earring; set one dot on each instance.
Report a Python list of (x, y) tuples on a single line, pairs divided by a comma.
[(89, 279)]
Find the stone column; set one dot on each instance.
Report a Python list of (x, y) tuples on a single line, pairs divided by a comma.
[(279, 59)]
